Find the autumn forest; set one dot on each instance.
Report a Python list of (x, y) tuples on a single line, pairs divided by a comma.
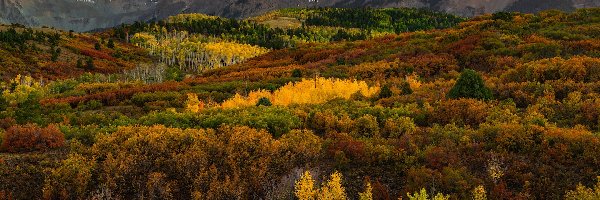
[(320, 103)]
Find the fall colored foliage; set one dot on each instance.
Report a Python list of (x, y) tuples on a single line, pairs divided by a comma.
[(30, 137), (582, 192), (51, 54), (307, 91), (500, 106), (192, 52), (332, 189)]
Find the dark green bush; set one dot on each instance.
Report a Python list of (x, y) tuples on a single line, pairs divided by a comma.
[(470, 85), (264, 101), (385, 92), (297, 73)]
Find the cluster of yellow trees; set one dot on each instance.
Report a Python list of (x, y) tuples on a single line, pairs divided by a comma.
[(582, 192), (307, 91), (194, 52), (18, 89), (333, 190)]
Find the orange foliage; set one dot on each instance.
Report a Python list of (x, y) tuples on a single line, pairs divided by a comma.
[(460, 111), (30, 137), (370, 70), (579, 69), (432, 64), (229, 163)]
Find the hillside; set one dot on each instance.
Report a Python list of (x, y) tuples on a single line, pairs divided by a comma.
[(49, 54), (499, 106), (85, 15), (196, 42)]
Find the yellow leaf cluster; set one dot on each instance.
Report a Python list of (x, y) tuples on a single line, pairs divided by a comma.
[(479, 193), (307, 91), (144, 38), (194, 52), (331, 190), (413, 81), (422, 195), (367, 194), (305, 187), (193, 104), (233, 50), (19, 89), (71, 179), (584, 193), (240, 101)]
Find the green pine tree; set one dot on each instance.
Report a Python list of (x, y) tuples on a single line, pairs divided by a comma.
[(470, 85), (111, 44), (297, 73), (89, 64), (264, 101)]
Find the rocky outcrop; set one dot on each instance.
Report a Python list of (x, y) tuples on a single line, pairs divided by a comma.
[(84, 15)]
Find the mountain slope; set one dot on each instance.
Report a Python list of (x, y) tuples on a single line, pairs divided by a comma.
[(84, 15), (49, 54), (536, 139)]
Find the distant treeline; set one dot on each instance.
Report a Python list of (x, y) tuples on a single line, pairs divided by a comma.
[(320, 25), (12, 38), (395, 20)]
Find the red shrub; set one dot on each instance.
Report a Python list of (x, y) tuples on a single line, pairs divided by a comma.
[(316, 56), (352, 148), (380, 191), (5, 195), (30, 137), (465, 45), (7, 122), (96, 54)]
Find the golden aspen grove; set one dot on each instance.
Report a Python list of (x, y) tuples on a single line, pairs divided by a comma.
[(315, 103), (306, 91), (194, 53)]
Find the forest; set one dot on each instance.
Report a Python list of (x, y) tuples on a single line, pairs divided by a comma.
[(345, 104), (48, 54)]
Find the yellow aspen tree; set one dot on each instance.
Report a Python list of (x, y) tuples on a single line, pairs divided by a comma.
[(333, 189), (193, 104), (304, 188), (421, 195)]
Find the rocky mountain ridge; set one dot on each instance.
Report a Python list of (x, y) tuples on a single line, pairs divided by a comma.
[(85, 15)]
